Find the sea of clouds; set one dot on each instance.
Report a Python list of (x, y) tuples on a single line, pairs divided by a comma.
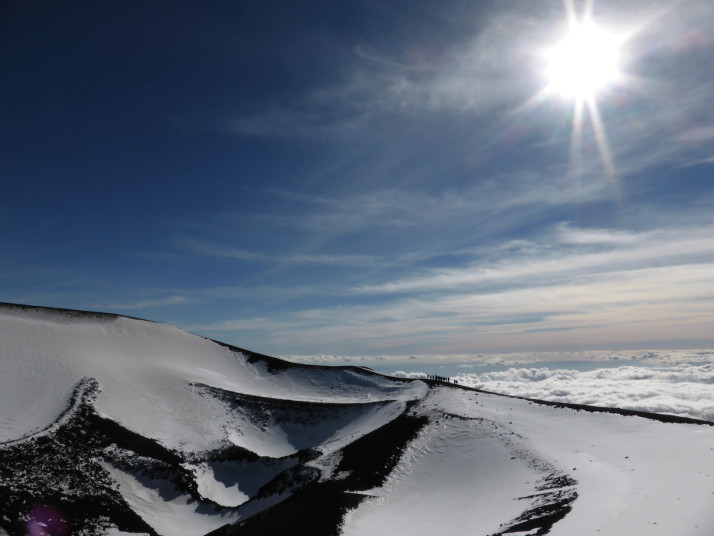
[(686, 390), (677, 382)]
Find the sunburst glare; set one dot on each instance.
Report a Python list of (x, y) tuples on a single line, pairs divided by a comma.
[(581, 67)]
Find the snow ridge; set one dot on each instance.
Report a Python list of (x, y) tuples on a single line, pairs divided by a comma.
[(84, 393), (115, 425)]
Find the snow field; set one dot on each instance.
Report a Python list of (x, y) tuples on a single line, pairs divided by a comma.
[(146, 371), (456, 478), (635, 475)]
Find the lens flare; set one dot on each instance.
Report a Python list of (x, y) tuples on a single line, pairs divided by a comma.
[(46, 521)]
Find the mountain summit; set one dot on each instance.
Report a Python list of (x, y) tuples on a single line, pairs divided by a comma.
[(115, 425)]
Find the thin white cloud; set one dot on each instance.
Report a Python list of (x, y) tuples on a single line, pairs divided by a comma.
[(698, 162), (301, 123), (248, 324), (145, 304), (214, 250), (568, 234)]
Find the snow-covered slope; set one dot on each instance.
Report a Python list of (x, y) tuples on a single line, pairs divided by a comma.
[(115, 425), (153, 376)]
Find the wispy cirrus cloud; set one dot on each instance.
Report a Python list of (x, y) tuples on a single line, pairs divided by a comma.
[(144, 304), (400, 225), (565, 233), (490, 323), (391, 227), (698, 162), (664, 294), (568, 252), (497, 66), (478, 73), (228, 252), (247, 324)]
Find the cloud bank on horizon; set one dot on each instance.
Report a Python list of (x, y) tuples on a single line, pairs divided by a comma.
[(685, 390), (673, 382), (362, 180)]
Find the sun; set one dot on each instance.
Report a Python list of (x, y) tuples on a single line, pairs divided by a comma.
[(583, 69), (584, 63)]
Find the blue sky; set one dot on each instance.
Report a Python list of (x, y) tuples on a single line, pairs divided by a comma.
[(360, 178)]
